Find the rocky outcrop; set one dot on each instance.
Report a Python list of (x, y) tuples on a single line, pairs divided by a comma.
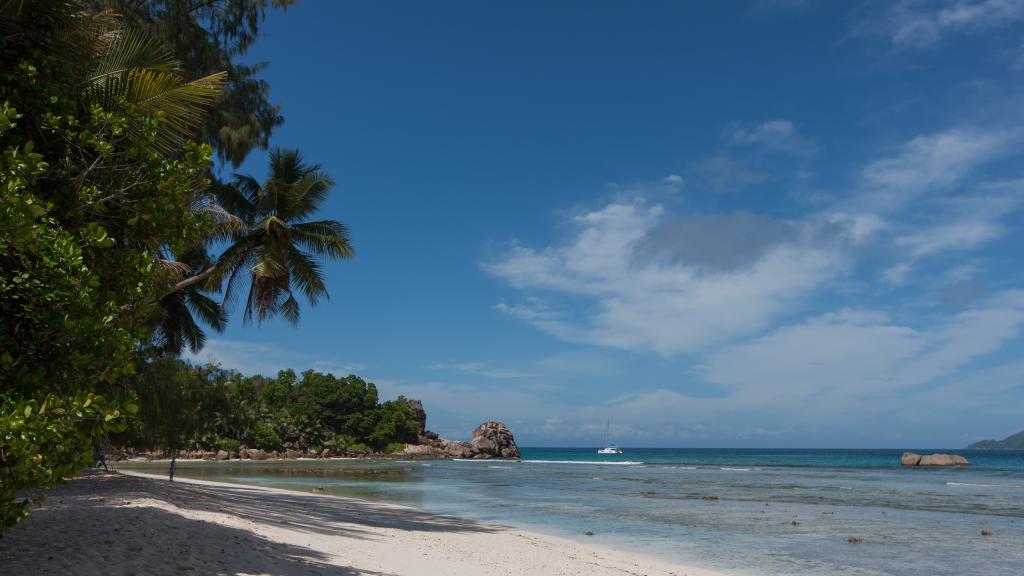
[(911, 459), (943, 460), (223, 455), (422, 451), (420, 414), (490, 440), (493, 440), (456, 448)]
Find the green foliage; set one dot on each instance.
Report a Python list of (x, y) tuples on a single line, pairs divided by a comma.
[(228, 444), (107, 209), (87, 204), (265, 437), (208, 37), (176, 404), (46, 439), (215, 408)]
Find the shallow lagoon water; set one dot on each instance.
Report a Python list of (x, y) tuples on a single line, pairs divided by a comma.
[(777, 511)]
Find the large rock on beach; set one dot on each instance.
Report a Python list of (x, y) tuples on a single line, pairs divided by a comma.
[(293, 454), (456, 448), (223, 455), (256, 454), (911, 459), (422, 451), (494, 440)]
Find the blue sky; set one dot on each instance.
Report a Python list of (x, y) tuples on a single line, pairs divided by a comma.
[(768, 223)]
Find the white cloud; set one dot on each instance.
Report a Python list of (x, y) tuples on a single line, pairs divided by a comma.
[(918, 24), (856, 355), (266, 359), (779, 135), (897, 274), (670, 307), (931, 163), (482, 369)]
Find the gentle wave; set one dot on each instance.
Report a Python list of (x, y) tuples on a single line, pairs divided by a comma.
[(736, 469), (975, 485), (591, 462)]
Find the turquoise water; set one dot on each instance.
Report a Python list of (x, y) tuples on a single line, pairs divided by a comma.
[(777, 511)]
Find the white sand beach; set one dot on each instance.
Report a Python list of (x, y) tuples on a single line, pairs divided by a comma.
[(121, 524)]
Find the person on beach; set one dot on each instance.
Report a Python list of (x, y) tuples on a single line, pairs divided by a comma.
[(99, 458)]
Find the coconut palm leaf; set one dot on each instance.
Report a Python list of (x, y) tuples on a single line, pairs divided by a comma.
[(279, 251), (137, 70)]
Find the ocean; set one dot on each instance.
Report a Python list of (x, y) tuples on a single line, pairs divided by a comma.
[(767, 512)]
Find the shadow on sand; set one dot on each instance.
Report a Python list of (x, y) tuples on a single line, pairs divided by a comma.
[(90, 526)]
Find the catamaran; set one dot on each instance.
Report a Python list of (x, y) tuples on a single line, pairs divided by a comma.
[(609, 446)]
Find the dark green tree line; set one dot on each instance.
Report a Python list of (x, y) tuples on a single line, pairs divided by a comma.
[(222, 409)]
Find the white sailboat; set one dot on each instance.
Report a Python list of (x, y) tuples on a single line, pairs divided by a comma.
[(609, 446)]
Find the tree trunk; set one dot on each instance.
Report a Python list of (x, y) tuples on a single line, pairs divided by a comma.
[(174, 463), (191, 281)]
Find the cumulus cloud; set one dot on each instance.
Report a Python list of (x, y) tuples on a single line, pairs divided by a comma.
[(650, 294), (732, 290)]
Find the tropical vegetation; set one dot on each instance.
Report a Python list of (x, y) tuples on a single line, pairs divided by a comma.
[(225, 410), (120, 244)]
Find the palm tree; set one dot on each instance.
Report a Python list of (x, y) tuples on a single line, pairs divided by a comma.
[(174, 318), (278, 247)]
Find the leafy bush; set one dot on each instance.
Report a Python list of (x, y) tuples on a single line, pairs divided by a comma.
[(265, 437), (228, 444), (394, 447), (358, 448)]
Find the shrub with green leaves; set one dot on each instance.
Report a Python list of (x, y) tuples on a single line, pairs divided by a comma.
[(88, 202)]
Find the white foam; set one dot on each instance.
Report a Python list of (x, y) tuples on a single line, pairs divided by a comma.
[(976, 485), (591, 462), (735, 469)]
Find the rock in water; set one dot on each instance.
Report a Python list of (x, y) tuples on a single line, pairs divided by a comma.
[(910, 459), (494, 440), (943, 460)]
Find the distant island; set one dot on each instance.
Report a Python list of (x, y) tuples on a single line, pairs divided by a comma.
[(1014, 442)]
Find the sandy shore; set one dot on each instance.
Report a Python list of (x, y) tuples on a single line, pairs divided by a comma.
[(136, 524)]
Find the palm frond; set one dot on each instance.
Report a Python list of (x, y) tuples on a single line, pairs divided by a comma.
[(209, 310), (182, 104), (130, 50), (326, 237), (307, 275), (308, 193)]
